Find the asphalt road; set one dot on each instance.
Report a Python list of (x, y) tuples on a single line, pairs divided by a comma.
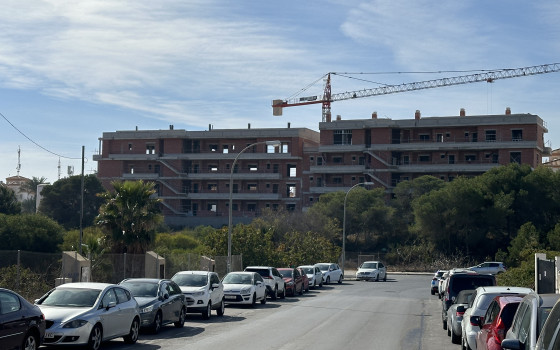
[(397, 314)]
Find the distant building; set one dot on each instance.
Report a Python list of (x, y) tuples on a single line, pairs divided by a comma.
[(15, 183), (192, 169)]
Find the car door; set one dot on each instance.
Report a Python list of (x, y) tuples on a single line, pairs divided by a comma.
[(335, 272), (260, 287), (216, 294), (127, 309), (485, 333), (382, 270), (109, 314), (176, 300), (166, 302), (12, 324)]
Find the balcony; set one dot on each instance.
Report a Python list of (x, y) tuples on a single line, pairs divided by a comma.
[(337, 169)]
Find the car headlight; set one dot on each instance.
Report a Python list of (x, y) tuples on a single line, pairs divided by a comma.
[(291, 283), (75, 324), (147, 309), (197, 294), (246, 290)]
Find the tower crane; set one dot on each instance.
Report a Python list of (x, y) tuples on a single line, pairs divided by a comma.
[(328, 97)]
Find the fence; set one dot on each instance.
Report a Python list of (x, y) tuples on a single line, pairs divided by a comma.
[(33, 274)]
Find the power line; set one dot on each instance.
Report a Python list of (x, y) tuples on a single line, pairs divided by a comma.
[(35, 143)]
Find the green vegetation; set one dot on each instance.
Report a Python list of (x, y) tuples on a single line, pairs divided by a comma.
[(506, 214)]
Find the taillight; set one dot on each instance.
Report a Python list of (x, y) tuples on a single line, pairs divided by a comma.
[(475, 319), (459, 314), (500, 331)]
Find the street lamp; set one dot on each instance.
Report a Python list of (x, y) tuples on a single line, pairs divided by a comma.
[(268, 143), (344, 223)]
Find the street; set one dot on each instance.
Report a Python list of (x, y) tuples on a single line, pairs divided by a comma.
[(397, 314)]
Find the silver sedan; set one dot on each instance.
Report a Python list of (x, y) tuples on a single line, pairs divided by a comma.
[(89, 313)]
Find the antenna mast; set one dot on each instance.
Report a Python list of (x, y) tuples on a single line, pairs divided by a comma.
[(18, 168)]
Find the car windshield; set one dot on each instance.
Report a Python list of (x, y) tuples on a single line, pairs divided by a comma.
[(71, 297), (324, 267), (142, 289), (190, 280), (263, 272), (307, 270), (370, 265), (470, 282), (234, 278), (286, 273)]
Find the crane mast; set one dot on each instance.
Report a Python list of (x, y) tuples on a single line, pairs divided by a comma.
[(488, 77)]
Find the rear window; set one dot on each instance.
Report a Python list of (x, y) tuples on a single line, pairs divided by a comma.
[(262, 272), (460, 283), (507, 314)]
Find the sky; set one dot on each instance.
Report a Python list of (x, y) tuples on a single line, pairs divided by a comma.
[(71, 70)]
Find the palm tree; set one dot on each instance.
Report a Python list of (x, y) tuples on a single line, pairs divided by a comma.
[(31, 186), (130, 215)]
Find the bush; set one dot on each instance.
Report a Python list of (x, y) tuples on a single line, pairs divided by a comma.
[(29, 284)]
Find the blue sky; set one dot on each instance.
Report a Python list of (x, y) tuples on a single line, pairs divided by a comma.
[(70, 71)]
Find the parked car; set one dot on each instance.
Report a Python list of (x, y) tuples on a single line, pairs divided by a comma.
[(434, 283), (491, 267), (529, 320), (441, 284), (160, 301), (496, 322), (331, 272), (372, 271), (305, 279), (477, 308), (549, 339), (314, 274), (275, 285), (458, 280), (22, 324), (88, 313), (293, 279), (205, 289), (244, 288), (455, 314)]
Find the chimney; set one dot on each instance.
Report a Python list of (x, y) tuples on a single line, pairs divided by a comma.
[(289, 124), (171, 127), (209, 127), (508, 111), (374, 115), (338, 117), (248, 125), (417, 114), (462, 112), (136, 127)]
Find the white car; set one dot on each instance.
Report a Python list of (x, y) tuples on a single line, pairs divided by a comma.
[(87, 314), (372, 271), (205, 288), (477, 307), (491, 267), (244, 288), (331, 272), (314, 275), (275, 284)]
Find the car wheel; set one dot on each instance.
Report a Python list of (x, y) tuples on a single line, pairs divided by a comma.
[(385, 277), (377, 278), (263, 300), (207, 312), (444, 323), (321, 284), (254, 301), (221, 310), (307, 289), (274, 295), (156, 326), (328, 280), (132, 336), (432, 291), (95, 337), (283, 294), (448, 331), (301, 290), (340, 279), (181, 321), (455, 339), (30, 342)]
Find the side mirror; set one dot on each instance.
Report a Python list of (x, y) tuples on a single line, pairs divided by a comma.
[(111, 304), (215, 285), (477, 320), (511, 344), (460, 308)]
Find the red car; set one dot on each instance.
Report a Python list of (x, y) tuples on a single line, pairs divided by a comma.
[(305, 279), (496, 322), (293, 279)]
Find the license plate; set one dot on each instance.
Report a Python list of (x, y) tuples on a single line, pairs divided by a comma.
[(231, 297), (49, 335)]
